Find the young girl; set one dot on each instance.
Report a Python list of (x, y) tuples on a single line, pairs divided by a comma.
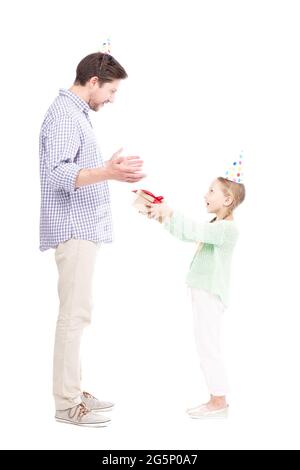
[(208, 277)]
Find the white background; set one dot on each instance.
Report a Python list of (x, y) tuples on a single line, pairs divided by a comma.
[(206, 79)]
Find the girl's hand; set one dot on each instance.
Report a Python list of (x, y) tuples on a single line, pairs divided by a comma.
[(159, 212)]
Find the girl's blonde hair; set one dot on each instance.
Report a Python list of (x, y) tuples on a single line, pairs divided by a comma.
[(236, 190)]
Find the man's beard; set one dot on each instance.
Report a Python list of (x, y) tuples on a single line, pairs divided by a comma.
[(95, 106)]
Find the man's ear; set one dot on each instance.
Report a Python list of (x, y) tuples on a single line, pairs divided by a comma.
[(93, 81)]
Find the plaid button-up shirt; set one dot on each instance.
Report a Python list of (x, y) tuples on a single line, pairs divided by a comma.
[(67, 144)]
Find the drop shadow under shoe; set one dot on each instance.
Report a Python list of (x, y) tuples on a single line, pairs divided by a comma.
[(203, 412), (93, 404), (80, 415)]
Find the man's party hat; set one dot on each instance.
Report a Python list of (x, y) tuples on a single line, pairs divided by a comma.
[(235, 171), (106, 46)]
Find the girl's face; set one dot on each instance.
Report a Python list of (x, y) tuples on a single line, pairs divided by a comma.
[(215, 199)]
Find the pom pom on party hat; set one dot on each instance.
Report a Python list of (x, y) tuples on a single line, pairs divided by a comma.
[(235, 171)]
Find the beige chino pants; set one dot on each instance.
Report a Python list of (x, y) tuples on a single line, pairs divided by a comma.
[(75, 261)]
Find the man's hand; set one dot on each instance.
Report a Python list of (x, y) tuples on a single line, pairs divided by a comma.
[(126, 169), (117, 168)]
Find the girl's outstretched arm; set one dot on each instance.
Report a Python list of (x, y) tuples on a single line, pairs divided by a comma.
[(188, 230)]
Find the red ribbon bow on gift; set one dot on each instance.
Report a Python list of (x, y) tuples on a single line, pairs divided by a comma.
[(156, 199)]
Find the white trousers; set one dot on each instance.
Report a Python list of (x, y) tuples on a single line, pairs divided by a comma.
[(208, 311), (75, 261)]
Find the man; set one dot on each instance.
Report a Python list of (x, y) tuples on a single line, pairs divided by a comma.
[(76, 219)]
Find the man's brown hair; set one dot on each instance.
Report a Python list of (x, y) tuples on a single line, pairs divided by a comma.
[(101, 65)]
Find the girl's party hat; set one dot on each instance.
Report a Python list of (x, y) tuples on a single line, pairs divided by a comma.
[(235, 171)]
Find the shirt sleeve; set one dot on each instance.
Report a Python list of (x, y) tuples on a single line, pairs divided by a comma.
[(190, 231), (62, 142)]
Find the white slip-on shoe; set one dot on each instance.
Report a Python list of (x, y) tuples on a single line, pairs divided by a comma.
[(80, 415), (196, 408), (93, 404), (204, 412)]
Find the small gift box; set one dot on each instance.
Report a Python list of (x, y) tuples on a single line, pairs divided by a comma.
[(144, 197)]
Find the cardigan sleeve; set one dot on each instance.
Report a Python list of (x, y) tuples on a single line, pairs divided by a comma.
[(188, 230)]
